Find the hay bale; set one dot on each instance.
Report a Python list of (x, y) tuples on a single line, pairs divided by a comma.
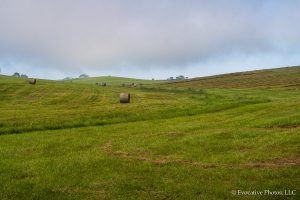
[(124, 98), (103, 84), (32, 81)]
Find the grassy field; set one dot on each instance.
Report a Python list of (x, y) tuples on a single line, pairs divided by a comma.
[(186, 140), (113, 80)]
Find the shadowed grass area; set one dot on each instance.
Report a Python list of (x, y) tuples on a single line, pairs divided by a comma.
[(76, 141)]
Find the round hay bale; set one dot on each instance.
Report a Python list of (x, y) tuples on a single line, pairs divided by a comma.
[(32, 81), (124, 98)]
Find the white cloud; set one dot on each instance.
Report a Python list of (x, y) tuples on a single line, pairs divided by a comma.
[(83, 35)]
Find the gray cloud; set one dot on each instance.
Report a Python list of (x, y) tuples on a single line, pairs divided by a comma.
[(97, 34)]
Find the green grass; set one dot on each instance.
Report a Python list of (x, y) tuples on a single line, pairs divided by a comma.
[(63, 140), (113, 80)]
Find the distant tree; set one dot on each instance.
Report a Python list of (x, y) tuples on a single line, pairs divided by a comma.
[(24, 76), (181, 77), (83, 76), (16, 74), (171, 78), (153, 79), (68, 78)]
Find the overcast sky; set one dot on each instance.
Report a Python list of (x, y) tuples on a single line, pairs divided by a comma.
[(147, 38)]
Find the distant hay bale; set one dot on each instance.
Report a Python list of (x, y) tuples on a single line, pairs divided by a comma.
[(32, 81), (124, 98)]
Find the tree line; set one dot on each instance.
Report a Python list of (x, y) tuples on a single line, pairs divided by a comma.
[(17, 74)]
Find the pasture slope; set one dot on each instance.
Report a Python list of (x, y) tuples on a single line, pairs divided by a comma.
[(113, 80), (205, 138), (269, 78)]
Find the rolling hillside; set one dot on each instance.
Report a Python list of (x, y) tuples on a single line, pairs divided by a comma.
[(112, 80), (66, 140), (270, 78)]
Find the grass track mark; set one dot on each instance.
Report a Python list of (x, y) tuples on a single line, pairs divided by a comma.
[(161, 160)]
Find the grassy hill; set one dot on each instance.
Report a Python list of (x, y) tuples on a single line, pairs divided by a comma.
[(113, 80), (66, 140), (269, 78)]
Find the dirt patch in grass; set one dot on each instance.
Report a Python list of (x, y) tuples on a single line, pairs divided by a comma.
[(162, 160), (107, 147), (245, 149), (289, 126), (69, 190), (283, 126), (292, 160)]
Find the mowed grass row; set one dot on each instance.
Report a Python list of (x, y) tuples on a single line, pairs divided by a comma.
[(56, 105), (204, 156)]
